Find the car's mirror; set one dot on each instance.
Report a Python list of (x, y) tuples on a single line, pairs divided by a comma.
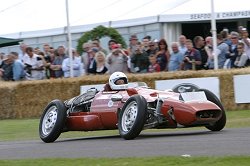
[(116, 97)]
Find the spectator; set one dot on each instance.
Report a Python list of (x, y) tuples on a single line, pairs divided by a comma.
[(222, 51), (46, 50), (33, 65), (46, 64), (153, 65), (209, 50), (100, 63), (37, 50), (225, 36), (176, 58), (51, 50), (49, 60), (163, 54), (6, 69), (199, 44), (86, 56), (117, 60), (131, 51), (240, 31), (246, 41), (182, 44), (140, 60), (110, 43), (132, 44), (76, 66), (79, 58), (192, 57), (241, 57), (23, 53), (147, 37), (145, 43), (56, 65), (152, 48), (2, 56), (233, 49), (42, 55), (91, 66), (17, 68), (96, 43)]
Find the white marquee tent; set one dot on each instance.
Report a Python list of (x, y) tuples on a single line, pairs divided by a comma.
[(18, 16)]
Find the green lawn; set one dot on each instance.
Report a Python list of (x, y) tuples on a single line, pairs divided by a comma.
[(147, 161), (27, 129)]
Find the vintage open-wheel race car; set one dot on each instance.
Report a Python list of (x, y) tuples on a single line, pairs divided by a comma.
[(132, 110)]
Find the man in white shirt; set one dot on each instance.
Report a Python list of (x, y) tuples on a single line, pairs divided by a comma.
[(33, 65), (182, 44), (76, 64), (23, 53)]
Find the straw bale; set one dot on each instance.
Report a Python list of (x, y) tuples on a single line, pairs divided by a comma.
[(27, 99)]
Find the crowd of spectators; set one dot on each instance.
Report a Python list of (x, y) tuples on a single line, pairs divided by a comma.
[(145, 56)]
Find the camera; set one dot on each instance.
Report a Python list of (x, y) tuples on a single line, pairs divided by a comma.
[(185, 60)]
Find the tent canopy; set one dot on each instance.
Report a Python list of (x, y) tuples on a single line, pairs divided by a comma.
[(4, 42), (33, 15)]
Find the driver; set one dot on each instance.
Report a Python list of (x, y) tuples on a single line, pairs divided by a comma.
[(117, 81)]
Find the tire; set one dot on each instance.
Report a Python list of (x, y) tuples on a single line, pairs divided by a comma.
[(52, 121), (132, 117), (220, 124)]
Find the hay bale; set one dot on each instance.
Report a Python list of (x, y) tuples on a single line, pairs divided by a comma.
[(27, 99)]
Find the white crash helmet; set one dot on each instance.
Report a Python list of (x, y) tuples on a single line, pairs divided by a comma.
[(117, 76)]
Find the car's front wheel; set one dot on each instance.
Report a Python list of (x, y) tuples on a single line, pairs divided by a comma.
[(52, 121), (132, 117), (220, 124)]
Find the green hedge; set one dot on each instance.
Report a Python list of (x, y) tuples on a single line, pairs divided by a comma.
[(28, 98)]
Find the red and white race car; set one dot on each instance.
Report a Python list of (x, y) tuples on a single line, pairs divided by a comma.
[(132, 111)]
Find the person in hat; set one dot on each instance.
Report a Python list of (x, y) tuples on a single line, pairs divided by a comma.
[(117, 60), (91, 66), (152, 48), (132, 44), (133, 41)]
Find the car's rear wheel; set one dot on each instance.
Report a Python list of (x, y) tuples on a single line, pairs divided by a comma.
[(132, 117), (52, 121), (220, 124)]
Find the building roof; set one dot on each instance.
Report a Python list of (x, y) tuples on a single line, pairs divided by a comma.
[(31, 18)]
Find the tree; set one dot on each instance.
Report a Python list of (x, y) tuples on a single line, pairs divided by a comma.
[(98, 33)]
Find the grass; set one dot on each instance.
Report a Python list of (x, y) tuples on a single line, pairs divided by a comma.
[(142, 161), (27, 129)]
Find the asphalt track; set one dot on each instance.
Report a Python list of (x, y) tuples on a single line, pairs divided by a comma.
[(164, 143)]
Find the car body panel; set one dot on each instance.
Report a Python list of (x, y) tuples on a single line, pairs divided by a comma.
[(104, 111)]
